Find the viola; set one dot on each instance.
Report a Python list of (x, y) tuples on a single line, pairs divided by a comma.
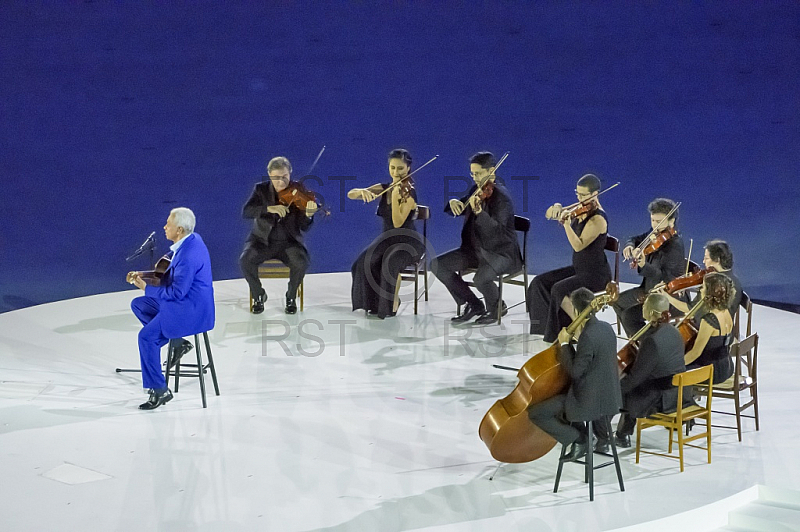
[(152, 277), (506, 429), (627, 355), (297, 195)]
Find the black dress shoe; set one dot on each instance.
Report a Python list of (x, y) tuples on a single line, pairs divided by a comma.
[(156, 399), (384, 316), (623, 441), (258, 303), (602, 446), (576, 452), (177, 353), (291, 306), (470, 311), (487, 318)]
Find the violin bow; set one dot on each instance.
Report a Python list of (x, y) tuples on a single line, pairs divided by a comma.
[(390, 187), (577, 203), (311, 169), (691, 244)]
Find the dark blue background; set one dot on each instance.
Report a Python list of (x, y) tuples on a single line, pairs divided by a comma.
[(114, 113)]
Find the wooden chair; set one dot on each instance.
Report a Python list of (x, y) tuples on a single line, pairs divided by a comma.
[(674, 421), (521, 225), (747, 304), (744, 379), (419, 267), (275, 269)]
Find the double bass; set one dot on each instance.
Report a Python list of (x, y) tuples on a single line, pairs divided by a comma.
[(506, 430)]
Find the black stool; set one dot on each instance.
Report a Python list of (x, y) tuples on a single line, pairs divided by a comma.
[(199, 368), (588, 462)]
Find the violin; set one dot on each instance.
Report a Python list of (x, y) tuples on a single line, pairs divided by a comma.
[(485, 189), (297, 195), (654, 242), (152, 277), (406, 182), (580, 208), (506, 429)]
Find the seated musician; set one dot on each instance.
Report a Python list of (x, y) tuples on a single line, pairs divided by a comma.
[(488, 244), (181, 305), (661, 266), (718, 255), (397, 246), (647, 387), (594, 391), (277, 233), (549, 306)]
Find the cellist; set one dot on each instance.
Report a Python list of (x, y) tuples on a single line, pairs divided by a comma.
[(590, 359), (661, 265), (647, 387)]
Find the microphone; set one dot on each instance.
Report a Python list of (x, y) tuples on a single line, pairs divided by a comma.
[(148, 242)]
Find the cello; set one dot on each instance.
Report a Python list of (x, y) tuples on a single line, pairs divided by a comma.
[(506, 430)]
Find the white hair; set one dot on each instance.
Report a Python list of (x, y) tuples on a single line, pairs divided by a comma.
[(184, 218)]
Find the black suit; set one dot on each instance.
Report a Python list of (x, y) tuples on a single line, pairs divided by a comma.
[(273, 237), (647, 388), (663, 265), (594, 391), (488, 243)]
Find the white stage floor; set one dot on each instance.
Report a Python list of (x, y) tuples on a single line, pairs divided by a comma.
[(349, 424)]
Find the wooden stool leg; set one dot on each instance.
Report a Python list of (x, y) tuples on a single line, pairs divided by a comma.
[(302, 293), (590, 458), (560, 467), (614, 452)]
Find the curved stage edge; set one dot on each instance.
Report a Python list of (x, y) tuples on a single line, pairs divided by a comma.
[(329, 420)]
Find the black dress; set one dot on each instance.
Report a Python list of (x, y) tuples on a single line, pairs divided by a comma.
[(716, 352), (589, 269), (376, 268)]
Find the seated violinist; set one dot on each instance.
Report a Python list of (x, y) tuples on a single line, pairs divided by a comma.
[(277, 233), (488, 244), (659, 262), (647, 386), (594, 390), (549, 305), (718, 258), (715, 333), (397, 246)]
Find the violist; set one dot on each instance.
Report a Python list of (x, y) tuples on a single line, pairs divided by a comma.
[(397, 246), (549, 305)]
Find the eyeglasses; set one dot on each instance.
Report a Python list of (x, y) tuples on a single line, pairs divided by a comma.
[(581, 195)]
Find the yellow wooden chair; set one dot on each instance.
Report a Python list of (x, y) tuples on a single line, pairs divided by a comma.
[(275, 269), (674, 421)]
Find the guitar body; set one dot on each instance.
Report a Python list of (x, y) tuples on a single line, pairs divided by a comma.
[(153, 277), (506, 430)]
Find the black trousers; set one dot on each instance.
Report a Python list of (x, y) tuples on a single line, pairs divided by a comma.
[(549, 416), (291, 253), (446, 268)]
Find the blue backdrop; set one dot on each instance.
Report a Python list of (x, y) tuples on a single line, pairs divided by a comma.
[(113, 113)]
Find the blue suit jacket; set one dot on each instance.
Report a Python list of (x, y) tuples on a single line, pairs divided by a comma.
[(186, 295)]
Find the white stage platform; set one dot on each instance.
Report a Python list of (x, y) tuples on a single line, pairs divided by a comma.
[(329, 420)]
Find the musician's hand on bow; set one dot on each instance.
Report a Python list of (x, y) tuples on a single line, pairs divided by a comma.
[(477, 204), (280, 210), (366, 194), (456, 206), (553, 212), (627, 252), (637, 255), (311, 208)]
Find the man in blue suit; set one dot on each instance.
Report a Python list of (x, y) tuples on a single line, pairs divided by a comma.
[(181, 305)]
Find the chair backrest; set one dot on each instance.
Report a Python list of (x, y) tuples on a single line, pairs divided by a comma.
[(745, 353), (612, 245), (424, 214), (523, 225), (704, 375), (747, 304)]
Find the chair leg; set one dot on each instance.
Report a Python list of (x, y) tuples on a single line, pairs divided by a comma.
[(638, 438), (302, 294), (680, 446), (426, 278), (211, 363), (200, 370), (708, 435), (500, 301), (671, 431), (416, 288), (738, 411), (614, 452), (590, 458), (169, 364), (177, 372), (754, 393), (560, 467)]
